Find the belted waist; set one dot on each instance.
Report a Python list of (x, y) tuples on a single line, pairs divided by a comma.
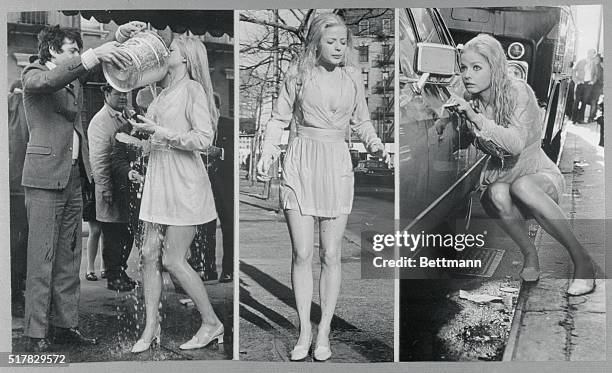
[(322, 134)]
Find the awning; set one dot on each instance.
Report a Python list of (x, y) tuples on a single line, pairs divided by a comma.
[(199, 22)]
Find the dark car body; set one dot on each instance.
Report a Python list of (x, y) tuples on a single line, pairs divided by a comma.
[(438, 168)]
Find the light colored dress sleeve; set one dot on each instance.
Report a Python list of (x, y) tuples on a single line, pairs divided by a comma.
[(282, 113), (201, 135), (360, 119), (514, 137)]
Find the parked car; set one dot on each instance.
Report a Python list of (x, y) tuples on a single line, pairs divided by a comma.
[(438, 167)]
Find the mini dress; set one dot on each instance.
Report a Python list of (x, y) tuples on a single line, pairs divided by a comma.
[(523, 139), (177, 190), (317, 172)]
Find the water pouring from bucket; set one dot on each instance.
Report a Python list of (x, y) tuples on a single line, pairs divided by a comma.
[(149, 53)]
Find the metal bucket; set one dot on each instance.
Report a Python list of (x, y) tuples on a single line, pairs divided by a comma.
[(149, 54)]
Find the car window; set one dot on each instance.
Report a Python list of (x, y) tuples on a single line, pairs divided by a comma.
[(425, 26), (408, 41), (416, 25)]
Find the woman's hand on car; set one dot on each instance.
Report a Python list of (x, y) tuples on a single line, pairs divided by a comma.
[(461, 106)]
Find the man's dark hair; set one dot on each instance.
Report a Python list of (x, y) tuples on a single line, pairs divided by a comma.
[(53, 37)]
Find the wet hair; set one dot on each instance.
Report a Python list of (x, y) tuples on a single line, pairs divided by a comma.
[(503, 99), (194, 52), (53, 37), (309, 57)]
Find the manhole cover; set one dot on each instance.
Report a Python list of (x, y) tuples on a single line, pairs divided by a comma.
[(489, 258)]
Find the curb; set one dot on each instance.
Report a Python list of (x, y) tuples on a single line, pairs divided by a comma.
[(517, 320)]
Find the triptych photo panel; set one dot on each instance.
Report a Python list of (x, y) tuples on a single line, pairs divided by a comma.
[(344, 185)]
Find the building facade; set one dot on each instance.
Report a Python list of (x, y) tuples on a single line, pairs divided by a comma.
[(373, 31)]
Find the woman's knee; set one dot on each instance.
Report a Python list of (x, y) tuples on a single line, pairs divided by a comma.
[(95, 230), (521, 188), (149, 254), (330, 256), (498, 197), (172, 262), (302, 256), (150, 249)]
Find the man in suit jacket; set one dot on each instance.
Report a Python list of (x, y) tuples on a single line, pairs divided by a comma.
[(56, 158), (109, 212)]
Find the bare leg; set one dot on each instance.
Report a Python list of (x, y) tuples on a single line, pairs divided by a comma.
[(177, 244), (331, 232), (152, 278), (498, 203), (93, 241), (538, 193), (301, 230)]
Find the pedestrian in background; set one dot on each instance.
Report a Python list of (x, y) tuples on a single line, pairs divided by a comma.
[(596, 86), (113, 219), (94, 241), (582, 77)]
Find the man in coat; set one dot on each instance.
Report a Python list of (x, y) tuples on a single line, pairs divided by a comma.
[(582, 77), (56, 158), (109, 212)]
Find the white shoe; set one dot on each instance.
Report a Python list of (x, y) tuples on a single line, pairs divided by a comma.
[(141, 345), (195, 342), (300, 352), (322, 353), (581, 286)]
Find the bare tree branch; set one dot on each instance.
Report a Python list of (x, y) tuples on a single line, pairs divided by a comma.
[(263, 22)]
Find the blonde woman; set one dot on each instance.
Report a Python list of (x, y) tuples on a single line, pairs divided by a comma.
[(177, 195), (505, 113), (324, 96)]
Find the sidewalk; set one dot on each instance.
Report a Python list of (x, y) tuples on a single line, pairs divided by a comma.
[(116, 319), (362, 328), (548, 325)]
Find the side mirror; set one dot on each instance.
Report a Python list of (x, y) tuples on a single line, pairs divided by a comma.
[(435, 59)]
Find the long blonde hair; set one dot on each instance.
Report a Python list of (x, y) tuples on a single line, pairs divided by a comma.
[(309, 57), (503, 99), (194, 52)]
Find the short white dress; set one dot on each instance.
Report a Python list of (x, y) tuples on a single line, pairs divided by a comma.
[(523, 138), (177, 190), (317, 173)]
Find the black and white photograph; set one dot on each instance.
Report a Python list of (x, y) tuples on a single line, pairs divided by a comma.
[(316, 170), (501, 151), (121, 144)]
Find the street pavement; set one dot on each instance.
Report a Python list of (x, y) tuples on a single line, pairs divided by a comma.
[(116, 319), (544, 324), (362, 328), (548, 324)]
